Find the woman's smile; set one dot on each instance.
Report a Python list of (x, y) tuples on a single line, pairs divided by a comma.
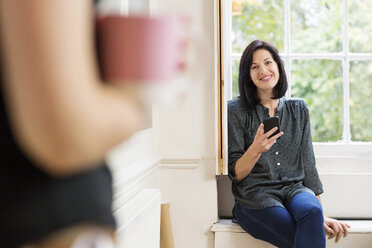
[(266, 78)]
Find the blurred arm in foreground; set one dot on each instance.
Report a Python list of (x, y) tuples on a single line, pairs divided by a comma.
[(63, 116)]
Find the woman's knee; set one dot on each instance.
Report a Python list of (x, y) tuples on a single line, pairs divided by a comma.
[(305, 205), (274, 225), (313, 212)]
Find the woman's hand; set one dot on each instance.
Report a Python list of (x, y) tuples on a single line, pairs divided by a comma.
[(262, 142), (335, 228)]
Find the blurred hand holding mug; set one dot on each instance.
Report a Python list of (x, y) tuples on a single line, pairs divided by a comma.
[(151, 55)]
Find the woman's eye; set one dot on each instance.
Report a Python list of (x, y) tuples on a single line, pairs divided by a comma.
[(268, 62), (254, 67)]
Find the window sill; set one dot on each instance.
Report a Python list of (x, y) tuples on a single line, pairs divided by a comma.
[(356, 226), (343, 150)]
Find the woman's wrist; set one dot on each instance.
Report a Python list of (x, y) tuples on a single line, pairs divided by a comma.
[(253, 153)]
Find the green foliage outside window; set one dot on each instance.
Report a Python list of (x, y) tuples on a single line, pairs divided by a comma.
[(316, 27), (258, 20), (361, 100), (319, 83)]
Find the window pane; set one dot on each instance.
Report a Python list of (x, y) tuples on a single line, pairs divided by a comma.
[(257, 19), (319, 83), (360, 28), (316, 26), (235, 78), (360, 100)]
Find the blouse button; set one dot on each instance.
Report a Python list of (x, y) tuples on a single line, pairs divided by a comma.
[(278, 163), (276, 153)]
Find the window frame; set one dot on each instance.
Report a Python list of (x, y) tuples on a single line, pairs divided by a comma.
[(345, 148)]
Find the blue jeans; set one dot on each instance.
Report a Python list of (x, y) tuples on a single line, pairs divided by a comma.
[(298, 225)]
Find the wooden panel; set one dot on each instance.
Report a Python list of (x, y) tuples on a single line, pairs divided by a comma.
[(220, 86)]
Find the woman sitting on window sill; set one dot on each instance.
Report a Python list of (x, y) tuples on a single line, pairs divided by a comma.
[(274, 181)]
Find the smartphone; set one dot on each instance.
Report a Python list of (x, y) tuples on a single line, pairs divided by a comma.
[(270, 123)]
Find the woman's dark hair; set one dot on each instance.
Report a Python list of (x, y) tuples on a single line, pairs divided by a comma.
[(247, 89)]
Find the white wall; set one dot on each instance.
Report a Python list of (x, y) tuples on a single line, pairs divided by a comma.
[(186, 135), (183, 140), (193, 204), (137, 195)]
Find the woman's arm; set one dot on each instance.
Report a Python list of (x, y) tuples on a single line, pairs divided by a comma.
[(245, 164), (311, 179), (260, 144), (64, 118)]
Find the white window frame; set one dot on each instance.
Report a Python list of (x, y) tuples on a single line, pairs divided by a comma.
[(343, 149)]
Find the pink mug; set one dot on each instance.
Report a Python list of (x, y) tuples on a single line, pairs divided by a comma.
[(135, 48)]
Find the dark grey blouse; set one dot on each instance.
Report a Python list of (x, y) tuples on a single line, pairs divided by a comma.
[(286, 169)]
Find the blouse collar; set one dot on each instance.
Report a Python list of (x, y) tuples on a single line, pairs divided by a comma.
[(265, 109)]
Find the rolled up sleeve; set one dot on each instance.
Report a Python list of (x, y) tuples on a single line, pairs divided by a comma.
[(236, 143)]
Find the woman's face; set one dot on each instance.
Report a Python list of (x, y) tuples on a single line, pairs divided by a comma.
[(264, 71)]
